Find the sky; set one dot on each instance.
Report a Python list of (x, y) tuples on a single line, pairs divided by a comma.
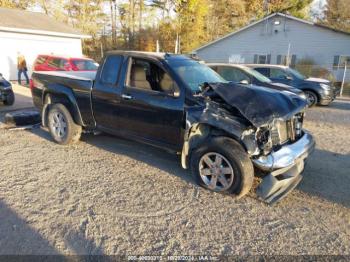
[(317, 6)]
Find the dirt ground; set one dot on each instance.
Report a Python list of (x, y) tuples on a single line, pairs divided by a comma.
[(105, 195)]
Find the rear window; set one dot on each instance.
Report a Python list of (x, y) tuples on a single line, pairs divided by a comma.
[(111, 69), (84, 65)]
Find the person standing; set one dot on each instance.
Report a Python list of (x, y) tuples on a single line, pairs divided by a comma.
[(22, 68)]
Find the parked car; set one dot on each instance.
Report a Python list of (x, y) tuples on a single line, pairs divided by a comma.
[(222, 130), (318, 91), (242, 74), (6, 93), (61, 63)]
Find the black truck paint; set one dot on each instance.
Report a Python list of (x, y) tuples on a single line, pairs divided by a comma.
[(172, 102)]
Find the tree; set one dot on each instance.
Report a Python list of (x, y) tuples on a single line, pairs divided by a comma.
[(19, 4), (260, 8), (190, 23), (337, 14), (54, 8), (225, 16)]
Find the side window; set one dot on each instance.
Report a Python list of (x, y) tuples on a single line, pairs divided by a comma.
[(277, 73), (264, 71), (54, 63), (232, 74), (64, 65), (149, 76), (110, 70), (40, 60)]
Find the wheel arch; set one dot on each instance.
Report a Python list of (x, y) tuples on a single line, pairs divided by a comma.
[(63, 96), (200, 132), (318, 96)]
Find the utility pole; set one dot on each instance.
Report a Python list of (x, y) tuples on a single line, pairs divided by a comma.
[(344, 76), (288, 54), (177, 43), (157, 46)]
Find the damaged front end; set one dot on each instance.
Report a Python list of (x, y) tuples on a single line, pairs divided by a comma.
[(271, 132), (283, 157)]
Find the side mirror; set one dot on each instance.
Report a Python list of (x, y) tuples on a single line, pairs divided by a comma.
[(244, 82), (289, 78)]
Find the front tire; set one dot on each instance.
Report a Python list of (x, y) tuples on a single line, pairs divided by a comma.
[(62, 127), (223, 166), (10, 99), (311, 98)]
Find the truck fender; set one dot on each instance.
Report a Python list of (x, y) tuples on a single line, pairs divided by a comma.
[(55, 93), (197, 134), (203, 124)]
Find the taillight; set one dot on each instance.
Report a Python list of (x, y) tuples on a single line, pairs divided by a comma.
[(31, 84)]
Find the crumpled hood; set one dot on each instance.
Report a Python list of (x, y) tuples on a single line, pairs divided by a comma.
[(258, 104)]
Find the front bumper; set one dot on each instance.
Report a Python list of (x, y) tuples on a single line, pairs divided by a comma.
[(283, 169), (328, 96)]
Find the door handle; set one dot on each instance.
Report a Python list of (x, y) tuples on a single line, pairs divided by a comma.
[(126, 97)]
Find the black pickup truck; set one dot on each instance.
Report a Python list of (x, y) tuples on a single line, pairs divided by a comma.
[(226, 133)]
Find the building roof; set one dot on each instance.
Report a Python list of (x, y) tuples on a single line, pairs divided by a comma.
[(20, 21), (268, 17)]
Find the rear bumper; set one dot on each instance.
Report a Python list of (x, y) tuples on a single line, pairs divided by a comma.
[(283, 169)]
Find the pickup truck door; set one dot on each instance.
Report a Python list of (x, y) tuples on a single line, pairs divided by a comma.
[(106, 93), (152, 105)]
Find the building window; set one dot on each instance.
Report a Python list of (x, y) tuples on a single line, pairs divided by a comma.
[(285, 60), (340, 61), (262, 59)]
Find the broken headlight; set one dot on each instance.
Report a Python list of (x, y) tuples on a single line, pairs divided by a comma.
[(263, 139)]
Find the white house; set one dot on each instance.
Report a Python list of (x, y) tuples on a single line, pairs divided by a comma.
[(277, 36), (32, 33)]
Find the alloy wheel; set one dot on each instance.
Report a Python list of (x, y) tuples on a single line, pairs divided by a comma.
[(59, 124), (216, 171)]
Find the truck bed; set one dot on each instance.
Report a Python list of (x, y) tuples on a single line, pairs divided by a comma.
[(75, 85)]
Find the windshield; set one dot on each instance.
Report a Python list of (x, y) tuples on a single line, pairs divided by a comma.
[(194, 73), (85, 65), (295, 73), (257, 75)]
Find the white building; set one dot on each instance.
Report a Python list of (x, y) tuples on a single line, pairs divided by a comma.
[(273, 38), (32, 33)]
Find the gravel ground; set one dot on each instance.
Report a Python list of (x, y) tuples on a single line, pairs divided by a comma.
[(105, 195)]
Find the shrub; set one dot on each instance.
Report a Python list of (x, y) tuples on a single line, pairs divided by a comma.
[(308, 67)]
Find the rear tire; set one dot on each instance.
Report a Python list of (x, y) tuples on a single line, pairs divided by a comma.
[(62, 127), (10, 99), (235, 167)]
